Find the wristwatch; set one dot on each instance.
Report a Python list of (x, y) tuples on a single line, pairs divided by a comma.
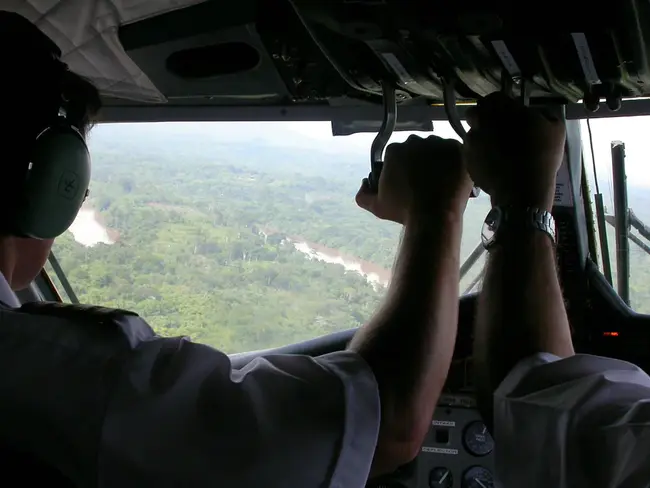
[(503, 219)]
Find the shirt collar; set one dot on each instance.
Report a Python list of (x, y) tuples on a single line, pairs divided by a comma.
[(6, 293)]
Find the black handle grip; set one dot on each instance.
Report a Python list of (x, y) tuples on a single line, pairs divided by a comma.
[(374, 175), (385, 131)]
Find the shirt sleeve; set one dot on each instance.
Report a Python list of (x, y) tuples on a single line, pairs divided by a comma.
[(181, 416), (583, 421)]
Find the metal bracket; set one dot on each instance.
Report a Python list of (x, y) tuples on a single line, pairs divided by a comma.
[(385, 131)]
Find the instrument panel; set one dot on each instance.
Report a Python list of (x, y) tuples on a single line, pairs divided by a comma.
[(458, 451)]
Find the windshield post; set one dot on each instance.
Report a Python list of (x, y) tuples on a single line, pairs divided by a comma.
[(602, 236), (472, 259), (600, 214), (622, 220), (62, 278)]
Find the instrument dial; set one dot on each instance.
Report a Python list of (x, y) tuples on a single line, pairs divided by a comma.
[(477, 439), (441, 478), (477, 477)]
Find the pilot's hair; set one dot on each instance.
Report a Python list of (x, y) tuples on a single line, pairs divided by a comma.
[(80, 100), (43, 89)]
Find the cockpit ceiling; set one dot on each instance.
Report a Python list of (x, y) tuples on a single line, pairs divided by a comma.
[(86, 31), (315, 54)]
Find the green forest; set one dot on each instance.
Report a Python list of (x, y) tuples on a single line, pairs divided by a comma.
[(207, 230)]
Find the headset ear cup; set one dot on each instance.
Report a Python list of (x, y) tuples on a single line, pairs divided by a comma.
[(55, 185)]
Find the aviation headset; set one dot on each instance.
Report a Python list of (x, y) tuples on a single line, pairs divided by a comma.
[(54, 173)]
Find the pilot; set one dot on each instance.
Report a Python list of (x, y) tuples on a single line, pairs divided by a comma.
[(97, 395), (559, 419)]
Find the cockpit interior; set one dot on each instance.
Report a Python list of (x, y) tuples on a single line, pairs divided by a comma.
[(306, 91)]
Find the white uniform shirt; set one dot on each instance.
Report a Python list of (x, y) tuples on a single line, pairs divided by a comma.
[(113, 405), (579, 422)]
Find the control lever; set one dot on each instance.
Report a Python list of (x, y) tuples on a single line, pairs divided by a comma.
[(451, 110), (385, 131), (507, 87), (525, 92), (507, 84), (449, 98)]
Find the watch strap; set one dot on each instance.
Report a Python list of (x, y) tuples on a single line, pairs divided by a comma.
[(518, 219)]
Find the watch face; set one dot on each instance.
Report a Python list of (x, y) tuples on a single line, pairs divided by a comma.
[(552, 229), (490, 226)]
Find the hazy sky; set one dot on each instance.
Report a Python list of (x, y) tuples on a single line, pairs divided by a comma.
[(633, 131)]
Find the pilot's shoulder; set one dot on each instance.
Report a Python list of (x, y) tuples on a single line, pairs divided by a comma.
[(73, 311), (548, 379), (84, 327)]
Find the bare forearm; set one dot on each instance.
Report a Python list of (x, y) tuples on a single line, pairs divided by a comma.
[(409, 343), (520, 311)]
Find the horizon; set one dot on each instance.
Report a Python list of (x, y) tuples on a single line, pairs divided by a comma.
[(317, 136)]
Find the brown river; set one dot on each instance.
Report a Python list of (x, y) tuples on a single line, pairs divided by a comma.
[(89, 231)]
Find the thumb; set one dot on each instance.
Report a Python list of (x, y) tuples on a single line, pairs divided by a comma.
[(365, 198)]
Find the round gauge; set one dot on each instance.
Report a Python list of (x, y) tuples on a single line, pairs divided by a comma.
[(477, 439), (477, 477), (441, 478)]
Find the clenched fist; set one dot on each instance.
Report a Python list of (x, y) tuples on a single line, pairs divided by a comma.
[(513, 152), (420, 178)]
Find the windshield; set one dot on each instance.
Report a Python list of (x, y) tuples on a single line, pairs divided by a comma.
[(243, 236), (633, 131)]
